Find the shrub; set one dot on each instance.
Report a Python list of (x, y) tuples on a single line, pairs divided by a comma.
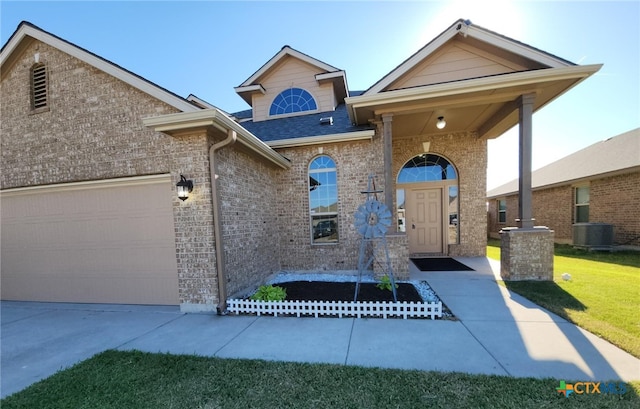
[(269, 293)]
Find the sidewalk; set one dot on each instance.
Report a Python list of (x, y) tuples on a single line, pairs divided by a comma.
[(497, 332)]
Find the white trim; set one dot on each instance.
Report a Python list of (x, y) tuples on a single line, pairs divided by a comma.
[(107, 67), (330, 75), (250, 88), (322, 139), (89, 184)]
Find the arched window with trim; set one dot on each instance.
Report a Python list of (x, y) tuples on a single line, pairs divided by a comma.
[(292, 100), (430, 168), (39, 87), (323, 200)]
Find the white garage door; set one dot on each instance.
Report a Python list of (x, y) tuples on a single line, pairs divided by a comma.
[(94, 242)]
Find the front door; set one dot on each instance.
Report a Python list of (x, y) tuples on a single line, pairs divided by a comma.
[(424, 220)]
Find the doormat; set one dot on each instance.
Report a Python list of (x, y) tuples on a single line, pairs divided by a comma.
[(440, 264)]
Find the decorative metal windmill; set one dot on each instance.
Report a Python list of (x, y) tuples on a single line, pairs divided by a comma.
[(372, 219)]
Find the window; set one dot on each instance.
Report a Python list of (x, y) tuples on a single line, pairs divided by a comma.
[(581, 204), (292, 100), (502, 211), (39, 87), (323, 200), (426, 168)]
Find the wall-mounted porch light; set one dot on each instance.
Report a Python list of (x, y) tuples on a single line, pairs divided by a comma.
[(184, 188), (441, 123)]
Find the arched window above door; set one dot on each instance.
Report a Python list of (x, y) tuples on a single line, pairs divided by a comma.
[(427, 167)]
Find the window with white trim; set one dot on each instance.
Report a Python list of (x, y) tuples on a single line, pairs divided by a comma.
[(581, 195), (323, 200), (39, 87)]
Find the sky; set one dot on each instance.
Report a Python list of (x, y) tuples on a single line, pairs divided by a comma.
[(207, 48)]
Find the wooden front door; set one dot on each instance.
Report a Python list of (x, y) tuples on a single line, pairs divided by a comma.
[(424, 221)]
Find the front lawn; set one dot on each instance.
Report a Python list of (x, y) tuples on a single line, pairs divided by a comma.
[(120, 380), (602, 296)]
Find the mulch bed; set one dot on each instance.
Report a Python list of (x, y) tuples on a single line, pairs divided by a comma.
[(338, 291)]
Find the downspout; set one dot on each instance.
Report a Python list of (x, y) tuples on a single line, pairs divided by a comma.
[(217, 228)]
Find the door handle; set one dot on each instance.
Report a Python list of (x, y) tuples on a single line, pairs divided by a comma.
[(413, 226)]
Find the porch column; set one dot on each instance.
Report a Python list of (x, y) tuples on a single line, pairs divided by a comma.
[(525, 217), (526, 252), (388, 177)]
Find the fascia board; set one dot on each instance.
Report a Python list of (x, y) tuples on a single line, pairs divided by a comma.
[(412, 61), (330, 75), (214, 117), (250, 88), (98, 63), (322, 139), (474, 85), (516, 47)]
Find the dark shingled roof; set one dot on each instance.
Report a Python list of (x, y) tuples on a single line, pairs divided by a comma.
[(303, 126)]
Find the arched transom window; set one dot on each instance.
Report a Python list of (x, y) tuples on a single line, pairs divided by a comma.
[(292, 100), (426, 168), (323, 200)]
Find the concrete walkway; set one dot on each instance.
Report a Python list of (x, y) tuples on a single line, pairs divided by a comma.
[(497, 332)]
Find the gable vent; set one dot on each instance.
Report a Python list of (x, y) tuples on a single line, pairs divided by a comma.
[(39, 94)]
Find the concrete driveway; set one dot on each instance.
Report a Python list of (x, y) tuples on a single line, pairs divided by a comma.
[(497, 332)]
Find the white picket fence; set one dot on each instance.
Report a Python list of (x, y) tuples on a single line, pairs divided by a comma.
[(356, 309)]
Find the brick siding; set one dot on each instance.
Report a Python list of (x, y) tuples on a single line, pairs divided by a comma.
[(612, 200)]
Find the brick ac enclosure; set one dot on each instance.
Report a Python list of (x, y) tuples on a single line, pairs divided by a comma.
[(613, 200), (93, 130)]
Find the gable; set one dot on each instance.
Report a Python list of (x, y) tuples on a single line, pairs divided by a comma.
[(290, 69), (460, 59), (27, 33), (291, 72), (498, 48)]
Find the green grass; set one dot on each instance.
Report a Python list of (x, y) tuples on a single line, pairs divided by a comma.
[(115, 379), (602, 296)]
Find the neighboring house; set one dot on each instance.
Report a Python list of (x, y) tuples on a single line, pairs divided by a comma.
[(92, 156), (598, 184)]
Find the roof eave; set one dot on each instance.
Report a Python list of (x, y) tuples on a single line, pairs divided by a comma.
[(201, 120), (322, 139), (457, 88)]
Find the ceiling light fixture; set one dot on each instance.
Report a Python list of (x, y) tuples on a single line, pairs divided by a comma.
[(441, 123)]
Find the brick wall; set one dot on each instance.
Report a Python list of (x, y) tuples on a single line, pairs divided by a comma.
[(250, 222), (354, 162), (93, 130), (616, 200)]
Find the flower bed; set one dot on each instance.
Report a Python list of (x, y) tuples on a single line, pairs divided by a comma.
[(332, 295)]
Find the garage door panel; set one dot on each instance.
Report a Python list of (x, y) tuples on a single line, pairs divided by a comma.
[(110, 244)]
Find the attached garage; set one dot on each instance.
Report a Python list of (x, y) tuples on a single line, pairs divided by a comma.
[(109, 241)]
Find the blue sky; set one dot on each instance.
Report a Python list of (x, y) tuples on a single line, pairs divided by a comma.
[(206, 48)]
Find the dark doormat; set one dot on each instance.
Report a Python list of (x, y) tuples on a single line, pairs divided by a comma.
[(440, 264)]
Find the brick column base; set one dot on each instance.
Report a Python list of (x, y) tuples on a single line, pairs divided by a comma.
[(526, 254)]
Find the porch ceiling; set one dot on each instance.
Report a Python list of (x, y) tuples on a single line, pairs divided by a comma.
[(486, 105)]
